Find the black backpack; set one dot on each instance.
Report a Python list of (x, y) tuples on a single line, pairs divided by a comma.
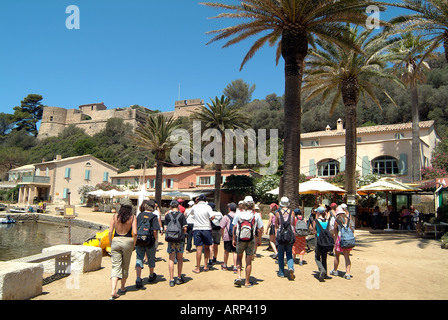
[(145, 233), (325, 241), (285, 234), (173, 229)]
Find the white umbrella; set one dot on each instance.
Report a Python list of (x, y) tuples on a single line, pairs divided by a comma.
[(274, 192), (112, 193), (97, 193), (318, 186)]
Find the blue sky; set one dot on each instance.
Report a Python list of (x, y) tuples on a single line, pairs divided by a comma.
[(125, 52)]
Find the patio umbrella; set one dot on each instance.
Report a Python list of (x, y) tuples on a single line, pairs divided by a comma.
[(386, 185), (274, 192), (97, 193), (318, 186)]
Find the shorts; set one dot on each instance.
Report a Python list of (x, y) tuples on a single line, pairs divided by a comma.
[(228, 246), (246, 246), (150, 253), (177, 247), (202, 237), (216, 236)]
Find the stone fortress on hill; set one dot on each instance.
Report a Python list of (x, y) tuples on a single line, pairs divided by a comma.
[(93, 117)]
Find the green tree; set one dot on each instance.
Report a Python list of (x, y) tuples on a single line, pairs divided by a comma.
[(220, 115), (292, 25), (239, 93), (348, 75), (154, 135), (29, 113)]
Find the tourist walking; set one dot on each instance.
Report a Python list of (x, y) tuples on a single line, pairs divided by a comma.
[(123, 225), (244, 223), (190, 222), (342, 221), (324, 241), (175, 229), (216, 233), (202, 231), (270, 229), (227, 236), (258, 215), (285, 235), (299, 247), (146, 219)]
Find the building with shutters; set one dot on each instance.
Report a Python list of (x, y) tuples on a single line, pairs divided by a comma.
[(383, 149), (54, 181)]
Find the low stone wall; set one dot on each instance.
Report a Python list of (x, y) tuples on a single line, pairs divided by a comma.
[(54, 219), (20, 281)]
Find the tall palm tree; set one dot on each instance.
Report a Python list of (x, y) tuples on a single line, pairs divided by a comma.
[(292, 25), (431, 18), (410, 65), (220, 115), (154, 135), (348, 74)]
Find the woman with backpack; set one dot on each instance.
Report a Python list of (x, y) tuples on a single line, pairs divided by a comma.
[(342, 221), (299, 246), (175, 229), (227, 236), (324, 242), (284, 219)]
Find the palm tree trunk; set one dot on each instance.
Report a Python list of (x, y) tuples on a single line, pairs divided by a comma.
[(294, 49), (158, 186), (445, 44), (218, 168), (416, 175), (350, 95)]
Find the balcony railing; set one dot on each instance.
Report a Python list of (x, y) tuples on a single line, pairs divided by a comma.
[(36, 179)]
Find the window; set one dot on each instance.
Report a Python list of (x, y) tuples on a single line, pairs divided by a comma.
[(88, 164), (205, 180), (385, 165), (106, 176), (315, 143), (65, 194), (399, 136), (67, 173), (87, 175), (328, 168), (358, 140)]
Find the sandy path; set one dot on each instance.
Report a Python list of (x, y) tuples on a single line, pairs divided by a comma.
[(383, 267)]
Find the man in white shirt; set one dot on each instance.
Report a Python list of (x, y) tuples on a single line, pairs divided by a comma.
[(202, 231)]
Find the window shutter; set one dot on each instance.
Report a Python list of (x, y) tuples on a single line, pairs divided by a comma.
[(67, 172), (65, 194), (164, 184), (403, 164), (342, 164), (366, 166), (212, 180), (312, 170), (197, 180), (87, 175), (106, 176)]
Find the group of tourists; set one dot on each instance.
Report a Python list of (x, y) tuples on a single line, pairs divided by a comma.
[(241, 230)]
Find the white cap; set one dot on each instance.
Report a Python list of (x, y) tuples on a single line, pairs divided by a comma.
[(248, 199), (343, 206), (284, 202)]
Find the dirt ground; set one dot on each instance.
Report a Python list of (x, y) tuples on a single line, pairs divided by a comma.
[(384, 266)]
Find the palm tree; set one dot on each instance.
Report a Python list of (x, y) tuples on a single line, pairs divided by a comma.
[(348, 74), (431, 17), (409, 63), (154, 135), (220, 115), (292, 25)]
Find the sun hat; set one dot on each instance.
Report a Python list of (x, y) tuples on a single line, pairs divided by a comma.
[(343, 206), (284, 202), (240, 202), (248, 199), (191, 202), (256, 207), (273, 205), (320, 209), (180, 200), (339, 210), (333, 205)]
